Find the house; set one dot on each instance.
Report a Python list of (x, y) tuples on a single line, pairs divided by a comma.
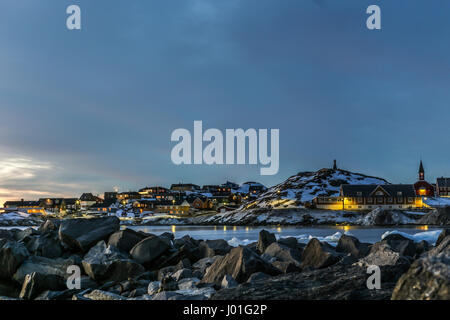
[(60, 205), (150, 191), (144, 205), (185, 187), (422, 187), (173, 207), (87, 200), (201, 203), (102, 208), (110, 196), (30, 207), (443, 187), (130, 195), (368, 197)]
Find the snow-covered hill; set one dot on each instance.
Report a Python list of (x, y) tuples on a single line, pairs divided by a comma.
[(305, 186)]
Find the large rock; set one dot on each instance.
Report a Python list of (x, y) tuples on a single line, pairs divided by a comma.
[(319, 255), (126, 239), (211, 248), (337, 282), (439, 216), (46, 245), (445, 233), (351, 245), (382, 254), (400, 244), (284, 253), (428, 278), (44, 266), (103, 295), (149, 249), (265, 239), (240, 263), (12, 254), (103, 263), (82, 234), (36, 283), (49, 226)]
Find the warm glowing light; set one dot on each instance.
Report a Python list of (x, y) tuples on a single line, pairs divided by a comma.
[(224, 228), (278, 229), (423, 228), (173, 228), (234, 228)]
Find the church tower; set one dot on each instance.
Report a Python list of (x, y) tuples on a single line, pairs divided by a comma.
[(421, 172)]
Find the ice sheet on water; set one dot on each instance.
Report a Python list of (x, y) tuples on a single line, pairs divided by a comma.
[(429, 236)]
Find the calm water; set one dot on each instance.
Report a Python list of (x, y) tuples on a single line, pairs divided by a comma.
[(243, 235)]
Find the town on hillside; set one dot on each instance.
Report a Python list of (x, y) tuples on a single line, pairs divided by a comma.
[(187, 199)]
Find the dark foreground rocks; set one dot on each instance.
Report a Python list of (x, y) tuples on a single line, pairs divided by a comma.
[(115, 264)]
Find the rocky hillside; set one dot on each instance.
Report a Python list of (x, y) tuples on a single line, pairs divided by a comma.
[(305, 186)]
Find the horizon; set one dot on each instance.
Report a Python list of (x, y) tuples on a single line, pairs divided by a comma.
[(101, 193), (92, 109)]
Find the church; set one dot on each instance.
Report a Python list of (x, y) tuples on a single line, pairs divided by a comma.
[(422, 187)]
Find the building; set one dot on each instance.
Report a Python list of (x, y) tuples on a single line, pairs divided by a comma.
[(30, 207), (110, 196), (150, 191), (422, 187), (201, 203), (185, 187), (368, 197), (173, 207), (87, 200), (144, 205), (130, 195), (443, 187)]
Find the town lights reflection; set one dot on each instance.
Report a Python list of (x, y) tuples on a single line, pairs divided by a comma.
[(173, 228), (422, 227)]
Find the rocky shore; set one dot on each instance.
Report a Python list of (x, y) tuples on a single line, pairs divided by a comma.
[(128, 265)]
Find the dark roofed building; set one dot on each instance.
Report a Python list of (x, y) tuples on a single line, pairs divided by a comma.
[(355, 197), (443, 187), (184, 187)]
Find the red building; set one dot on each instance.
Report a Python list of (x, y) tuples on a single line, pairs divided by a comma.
[(422, 187)]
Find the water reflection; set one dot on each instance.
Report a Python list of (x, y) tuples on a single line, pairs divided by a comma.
[(251, 233)]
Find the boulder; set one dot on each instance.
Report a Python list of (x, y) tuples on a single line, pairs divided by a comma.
[(47, 245), (182, 274), (82, 234), (284, 253), (36, 283), (211, 248), (188, 283), (25, 235), (126, 239), (57, 295), (428, 278), (258, 276), (445, 233), (153, 287), (228, 282), (286, 267), (400, 244), (439, 217), (49, 226), (186, 240), (149, 249), (12, 255), (103, 263), (381, 254), (165, 295), (351, 245), (44, 266), (337, 282), (240, 263), (290, 242), (319, 255), (8, 234), (264, 240), (103, 295)]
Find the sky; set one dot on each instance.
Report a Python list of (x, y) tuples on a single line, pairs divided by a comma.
[(93, 109)]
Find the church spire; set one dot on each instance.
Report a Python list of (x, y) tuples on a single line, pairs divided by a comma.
[(421, 172)]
